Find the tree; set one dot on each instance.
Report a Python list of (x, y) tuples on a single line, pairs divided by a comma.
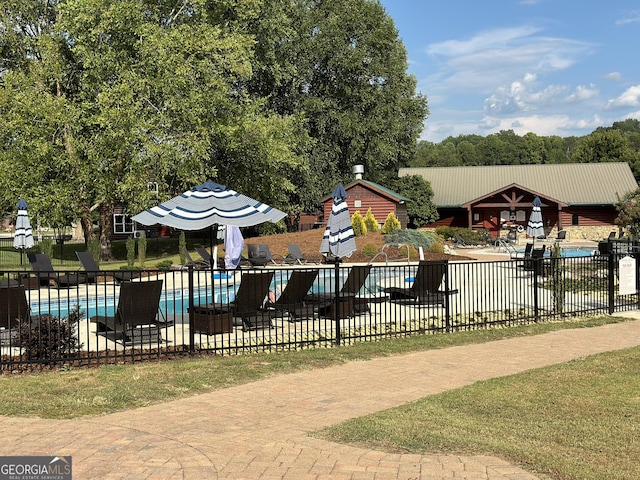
[(603, 146), (130, 92), (357, 222), (341, 64), (391, 224), (370, 221), (629, 212), (420, 209)]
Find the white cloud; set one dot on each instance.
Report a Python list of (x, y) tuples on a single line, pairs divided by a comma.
[(613, 76), (582, 93), (542, 125), (629, 98), (629, 17), (497, 57), (522, 96)]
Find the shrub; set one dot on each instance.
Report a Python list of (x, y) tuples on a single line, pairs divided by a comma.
[(467, 234), (369, 250), (370, 222), (391, 224), (131, 252), (436, 247), (359, 227), (415, 238), (46, 337), (46, 246), (270, 228), (142, 250), (164, 265)]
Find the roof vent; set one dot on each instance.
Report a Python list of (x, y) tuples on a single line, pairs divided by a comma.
[(358, 170)]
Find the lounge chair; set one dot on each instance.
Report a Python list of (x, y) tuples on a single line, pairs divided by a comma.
[(425, 289), (295, 254), (523, 255), (135, 320), (260, 255), (200, 264), (535, 260), (351, 302), (205, 255), (94, 272), (461, 243), (561, 237), (291, 301), (247, 306), (46, 275), (13, 308)]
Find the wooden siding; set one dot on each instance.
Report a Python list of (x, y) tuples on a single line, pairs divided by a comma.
[(589, 216), (380, 206)]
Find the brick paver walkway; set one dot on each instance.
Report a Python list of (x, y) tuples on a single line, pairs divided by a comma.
[(260, 430)]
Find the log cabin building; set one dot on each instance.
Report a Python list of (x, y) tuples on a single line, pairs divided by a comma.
[(363, 195), (578, 197)]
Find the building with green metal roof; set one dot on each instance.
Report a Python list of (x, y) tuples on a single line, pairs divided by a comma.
[(499, 197)]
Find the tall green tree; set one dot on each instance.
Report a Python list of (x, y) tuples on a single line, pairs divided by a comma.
[(341, 65), (136, 91), (421, 210)]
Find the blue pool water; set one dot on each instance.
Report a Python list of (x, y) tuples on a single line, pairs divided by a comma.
[(177, 301), (569, 252)]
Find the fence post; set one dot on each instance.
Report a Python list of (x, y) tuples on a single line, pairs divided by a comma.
[(192, 333), (447, 318), (336, 307), (611, 287), (536, 312)]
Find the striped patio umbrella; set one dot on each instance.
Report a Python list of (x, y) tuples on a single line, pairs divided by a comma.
[(23, 237), (339, 240), (207, 205), (535, 227)]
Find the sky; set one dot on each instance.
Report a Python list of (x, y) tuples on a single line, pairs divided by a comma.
[(551, 67)]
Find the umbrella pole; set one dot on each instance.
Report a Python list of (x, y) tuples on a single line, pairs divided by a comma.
[(214, 232), (336, 308)]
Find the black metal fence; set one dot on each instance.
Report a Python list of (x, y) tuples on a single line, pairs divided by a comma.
[(67, 318)]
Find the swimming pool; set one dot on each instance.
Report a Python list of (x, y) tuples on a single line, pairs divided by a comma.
[(176, 301), (567, 252)]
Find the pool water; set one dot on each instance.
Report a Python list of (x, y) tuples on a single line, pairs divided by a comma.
[(569, 252), (176, 301)]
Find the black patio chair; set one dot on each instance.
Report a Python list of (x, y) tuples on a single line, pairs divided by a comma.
[(47, 276), (292, 300), (425, 289), (13, 309), (135, 320), (94, 271)]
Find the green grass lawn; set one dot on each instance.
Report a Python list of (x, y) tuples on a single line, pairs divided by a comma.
[(578, 420)]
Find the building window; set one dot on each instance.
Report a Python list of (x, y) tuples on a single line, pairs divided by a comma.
[(123, 223), (575, 220), (357, 203)]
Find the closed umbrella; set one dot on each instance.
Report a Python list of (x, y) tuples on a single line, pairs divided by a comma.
[(535, 227), (338, 240), (23, 237)]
